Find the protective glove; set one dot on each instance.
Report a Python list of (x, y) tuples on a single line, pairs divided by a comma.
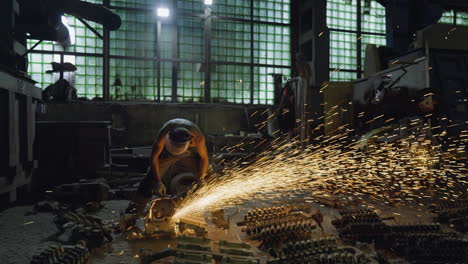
[(160, 189)]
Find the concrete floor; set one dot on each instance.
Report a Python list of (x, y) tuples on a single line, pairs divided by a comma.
[(22, 233)]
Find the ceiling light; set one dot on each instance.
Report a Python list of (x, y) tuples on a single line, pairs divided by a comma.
[(162, 12)]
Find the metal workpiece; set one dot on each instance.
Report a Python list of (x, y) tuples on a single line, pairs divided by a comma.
[(158, 221), (425, 248), (356, 212), (57, 254), (317, 251), (276, 225), (425, 243), (199, 250), (454, 213), (357, 216), (267, 211), (417, 228)]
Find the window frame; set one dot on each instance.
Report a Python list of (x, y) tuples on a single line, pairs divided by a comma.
[(251, 22)]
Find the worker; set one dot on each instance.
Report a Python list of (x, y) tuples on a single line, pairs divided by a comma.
[(179, 147)]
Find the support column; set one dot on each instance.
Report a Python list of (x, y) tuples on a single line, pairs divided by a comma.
[(106, 60), (207, 41)]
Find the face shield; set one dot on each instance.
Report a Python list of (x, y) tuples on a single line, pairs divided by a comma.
[(176, 149)]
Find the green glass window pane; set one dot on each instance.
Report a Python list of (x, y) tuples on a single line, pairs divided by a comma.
[(228, 41), (134, 3), (167, 40), (343, 50), (230, 84), (447, 17), (136, 37), (342, 14), (342, 76), (87, 79), (133, 79), (82, 39), (272, 11), (190, 83), (462, 19), (229, 8), (373, 17), (264, 83), (38, 65), (191, 6), (190, 38), (272, 45)]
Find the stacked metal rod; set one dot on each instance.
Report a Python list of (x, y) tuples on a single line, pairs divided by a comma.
[(357, 216), (432, 248), (316, 251), (276, 225), (454, 213), (77, 254), (425, 243), (198, 250)]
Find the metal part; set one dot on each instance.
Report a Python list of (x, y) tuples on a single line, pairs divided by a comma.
[(421, 243), (454, 213), (316, 251), (357, 216), (83, 227), (56, 254), (196, 250), (190, 224), (276, 225), (432, 248), (158, 221)]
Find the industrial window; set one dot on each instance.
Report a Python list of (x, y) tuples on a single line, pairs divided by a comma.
[(353, 24), (249, 39), (454, 17), (88, 77)]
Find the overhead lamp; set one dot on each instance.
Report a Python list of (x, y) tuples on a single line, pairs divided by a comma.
[(163, 12), (208, 2)]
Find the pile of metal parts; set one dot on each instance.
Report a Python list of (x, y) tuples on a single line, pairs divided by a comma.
[(56, 254), (82, 226), (196, 250), (276, 225), (418, 243), (453, 213), (317, 251)]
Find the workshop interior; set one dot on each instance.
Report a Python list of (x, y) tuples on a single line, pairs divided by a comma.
[(233, 131)]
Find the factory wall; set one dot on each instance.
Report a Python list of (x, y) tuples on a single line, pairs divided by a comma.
[(139, 122)]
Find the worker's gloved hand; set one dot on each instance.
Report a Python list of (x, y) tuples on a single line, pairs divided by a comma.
[(160, 189)]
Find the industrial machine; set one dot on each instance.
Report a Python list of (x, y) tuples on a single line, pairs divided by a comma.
[(20, 99), (430, 82), (416, 85)]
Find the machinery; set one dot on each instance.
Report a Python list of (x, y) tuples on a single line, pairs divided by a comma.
[(20, 99), (429, 83)]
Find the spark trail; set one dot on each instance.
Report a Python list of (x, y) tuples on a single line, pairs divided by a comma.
[(396, 172)]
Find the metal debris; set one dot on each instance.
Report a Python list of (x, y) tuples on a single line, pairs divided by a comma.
[(56, 254), (83, 227), (276, 225)]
